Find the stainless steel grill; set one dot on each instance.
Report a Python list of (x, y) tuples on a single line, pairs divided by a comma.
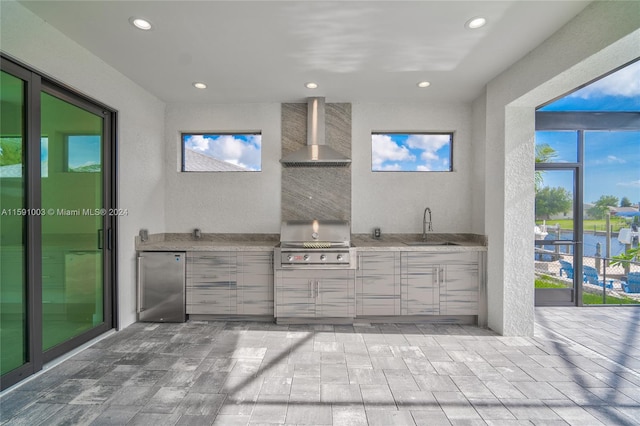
[(315, 244)]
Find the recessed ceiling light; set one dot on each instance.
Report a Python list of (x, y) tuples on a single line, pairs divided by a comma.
[(424, 84), (475, 23), (140, 23), (199, 85), (311, 85)]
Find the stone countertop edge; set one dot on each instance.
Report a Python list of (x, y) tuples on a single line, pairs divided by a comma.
[(265, 242), (397, 242), (208, 242)]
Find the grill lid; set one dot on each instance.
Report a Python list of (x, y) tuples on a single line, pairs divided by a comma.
[(315, 233)]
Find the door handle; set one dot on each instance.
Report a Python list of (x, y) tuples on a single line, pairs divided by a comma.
[(100, 239), (139, 304)]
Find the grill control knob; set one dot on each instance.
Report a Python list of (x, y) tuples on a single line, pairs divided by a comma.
[(323, 257), (340, 257), (290, 258), (306, 257)]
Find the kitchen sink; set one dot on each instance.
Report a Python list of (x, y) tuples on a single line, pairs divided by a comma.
[(431, 243)]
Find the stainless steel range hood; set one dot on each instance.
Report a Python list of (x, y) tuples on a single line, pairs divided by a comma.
[(316, 153)]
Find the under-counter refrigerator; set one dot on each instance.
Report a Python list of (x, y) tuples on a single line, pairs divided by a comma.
[(161, 286)]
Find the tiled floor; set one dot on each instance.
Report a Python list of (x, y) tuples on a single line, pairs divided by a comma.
[(581, 368)]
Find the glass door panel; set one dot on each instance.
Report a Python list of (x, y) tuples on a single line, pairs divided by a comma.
[(555, 245), (13, 303), (72, 229), (611, 216)]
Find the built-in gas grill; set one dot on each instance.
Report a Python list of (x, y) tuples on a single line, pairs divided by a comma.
[(314, 272), (315, 244)]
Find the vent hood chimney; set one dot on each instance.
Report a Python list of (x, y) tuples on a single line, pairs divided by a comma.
[(316, 153)]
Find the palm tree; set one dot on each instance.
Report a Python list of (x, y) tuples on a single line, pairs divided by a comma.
[(544, 153)]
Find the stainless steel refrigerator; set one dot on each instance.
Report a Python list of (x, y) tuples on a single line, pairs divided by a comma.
[(161, 286)]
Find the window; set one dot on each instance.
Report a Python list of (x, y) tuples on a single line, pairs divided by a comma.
[(411, 152), (221, 152), (83, 153), (11, 157)]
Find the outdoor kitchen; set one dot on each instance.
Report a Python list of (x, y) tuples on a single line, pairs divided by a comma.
[(318, 270)]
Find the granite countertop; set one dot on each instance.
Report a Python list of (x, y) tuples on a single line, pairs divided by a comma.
[(208, 242), (398, 242), (262, 242)]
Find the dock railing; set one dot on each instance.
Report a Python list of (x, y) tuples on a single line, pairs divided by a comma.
[(556, 267)]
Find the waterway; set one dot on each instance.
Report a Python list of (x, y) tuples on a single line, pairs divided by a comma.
[(590, 242)]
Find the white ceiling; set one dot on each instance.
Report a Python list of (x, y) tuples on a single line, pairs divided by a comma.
[(264, 51)]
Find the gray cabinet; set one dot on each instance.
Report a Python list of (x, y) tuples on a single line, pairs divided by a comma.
[(419, 284), (211, 283), (378, 283), (295, 295), (459, 290), (315, 294), (439, 283), (230, 283), (254, 293)]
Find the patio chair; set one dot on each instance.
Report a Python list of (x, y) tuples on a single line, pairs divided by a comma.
[(567, 268), (591, 276), (633, 283)]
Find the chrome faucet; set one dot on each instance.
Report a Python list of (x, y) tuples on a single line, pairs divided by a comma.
[(426, 228)]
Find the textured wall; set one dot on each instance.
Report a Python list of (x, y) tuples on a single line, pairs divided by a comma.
[(221, 202), (395, 201), (316, 192), (604, 36)]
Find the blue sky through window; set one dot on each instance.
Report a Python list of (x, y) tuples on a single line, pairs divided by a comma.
[(619, 91), (244, 151), (612, 159), (400, 152), (83, 153)]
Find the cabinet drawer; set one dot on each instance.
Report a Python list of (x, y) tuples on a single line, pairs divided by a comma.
[(216, 298), (211, 283)]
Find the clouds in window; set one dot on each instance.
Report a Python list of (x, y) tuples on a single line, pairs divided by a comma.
[(411, 152), (222, 152)]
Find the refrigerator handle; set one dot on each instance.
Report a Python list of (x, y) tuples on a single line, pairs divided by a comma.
[(139, 278)]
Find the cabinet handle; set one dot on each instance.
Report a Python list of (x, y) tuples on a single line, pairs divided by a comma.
[(310, 289), (317, 288), (139, 304)]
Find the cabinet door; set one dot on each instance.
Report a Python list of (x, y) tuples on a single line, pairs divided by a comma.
[(295, 295), (335, 294), (460, 289), (211, 283), (378, 284), (420, 288), (255, 283)]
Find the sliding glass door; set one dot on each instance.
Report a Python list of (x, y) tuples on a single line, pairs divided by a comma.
[(57, 249), (13, 279), (72, 228)]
